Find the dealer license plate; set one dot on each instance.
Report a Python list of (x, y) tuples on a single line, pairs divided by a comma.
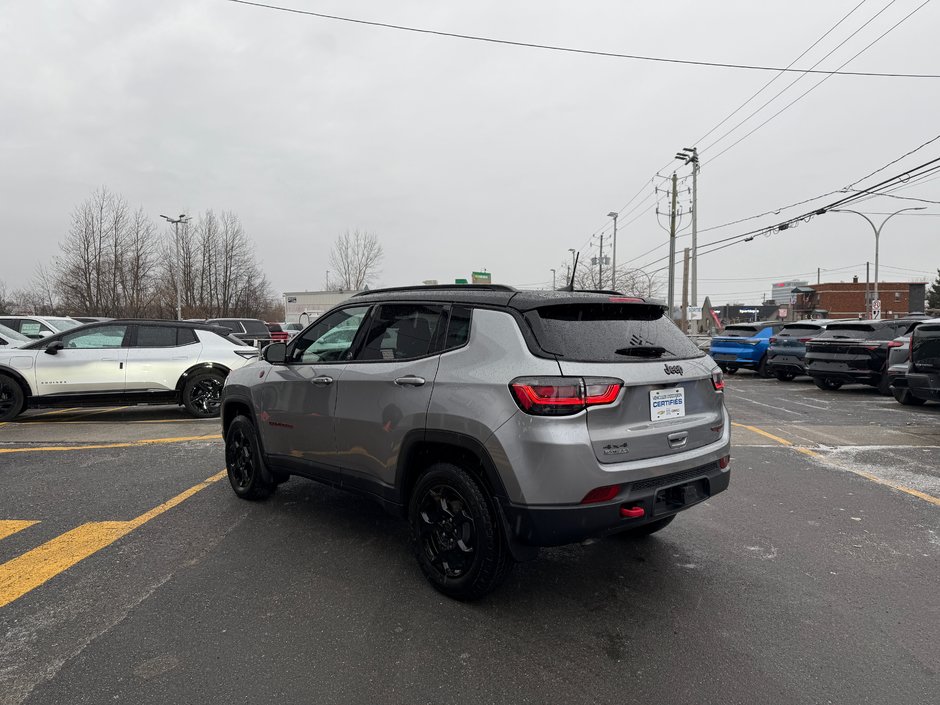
[(667, 403)]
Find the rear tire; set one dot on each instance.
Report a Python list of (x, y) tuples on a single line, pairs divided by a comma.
[(202, 394), (785, 375), (830, 385), (904, 396), (246, 471), (457, 534), (12, 399), (647, 529), (884, 386), (731, 369), (762, 368)]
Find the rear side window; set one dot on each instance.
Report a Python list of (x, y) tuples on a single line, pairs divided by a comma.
[(232, 325), (255, 327), (458, 328), (156, 337), (401, 332), (186, 336), (611, 332), (925, 347)]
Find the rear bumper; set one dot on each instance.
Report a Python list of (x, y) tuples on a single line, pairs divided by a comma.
[(791, 363), (924, 386), (844, 374), (738, 358), (556, 525)]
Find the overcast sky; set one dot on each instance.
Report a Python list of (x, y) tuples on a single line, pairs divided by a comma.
[(462, 155)]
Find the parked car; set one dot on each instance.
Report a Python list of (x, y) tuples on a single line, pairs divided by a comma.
[(744, 345), (91, 319), (248, 330), (921, 383), (277, 332), (9, 338), (122, 362), (788, 348), (38, 327), (855, 352), (291, 328), (495, 420)]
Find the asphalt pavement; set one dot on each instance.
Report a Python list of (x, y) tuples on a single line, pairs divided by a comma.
[(129, 572)]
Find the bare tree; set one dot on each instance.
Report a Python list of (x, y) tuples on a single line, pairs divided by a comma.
[(354, 261), (629, 281), (6, 304)]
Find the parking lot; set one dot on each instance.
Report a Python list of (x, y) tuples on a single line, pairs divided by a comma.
[(129, 572)]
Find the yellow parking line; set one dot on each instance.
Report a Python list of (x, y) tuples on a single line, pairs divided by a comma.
[(47, 413), (861, 473), (103, 446), (8, 527), (30, 570)]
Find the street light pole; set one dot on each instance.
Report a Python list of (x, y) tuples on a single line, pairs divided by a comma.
[(553, 280), (176, 236), (877, 229), (613, 257)]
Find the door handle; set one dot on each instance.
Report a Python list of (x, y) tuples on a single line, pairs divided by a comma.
[(322, 381), (410, 381)]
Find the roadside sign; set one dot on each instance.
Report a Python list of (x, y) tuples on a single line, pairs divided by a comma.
[(481, 277), (876, 309), (694, 313), (460, 281)]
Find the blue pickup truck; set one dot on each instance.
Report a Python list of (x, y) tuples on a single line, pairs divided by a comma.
[(744, 345)]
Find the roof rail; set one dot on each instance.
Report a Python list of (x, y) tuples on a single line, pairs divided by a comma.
[(439, 287)]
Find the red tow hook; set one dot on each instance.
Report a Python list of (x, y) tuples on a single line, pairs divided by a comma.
[(632, 512)]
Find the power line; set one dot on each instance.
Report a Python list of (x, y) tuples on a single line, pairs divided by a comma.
[(893, 162), (572, 50), (817, 85)]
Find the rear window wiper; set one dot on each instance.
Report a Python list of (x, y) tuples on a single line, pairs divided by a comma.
[(642, 351)]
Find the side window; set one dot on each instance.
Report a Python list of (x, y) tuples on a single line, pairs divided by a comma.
[(101, 337), (458, 328), (401, 332), (156, 337), (34, 329), (232, 325), (185, 336), (329, 339)]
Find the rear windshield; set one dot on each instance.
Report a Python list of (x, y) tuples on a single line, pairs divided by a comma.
[(609, 333), (739, 331), (255, 326), (858, 331), (799, 331)]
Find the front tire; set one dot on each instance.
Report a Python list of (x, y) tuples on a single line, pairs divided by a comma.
[(246, 471), (202, 394), (830, 385), (12, 399), (456, 533)]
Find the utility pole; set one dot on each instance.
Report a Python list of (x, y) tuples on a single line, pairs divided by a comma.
[(600, 265), (690, 156), (613, 257), (685, 290), (818, 274), (553, 280), (867, 293), (179, 270), (672, 251)]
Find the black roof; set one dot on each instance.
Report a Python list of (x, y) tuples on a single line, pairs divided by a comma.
[(495, 295)]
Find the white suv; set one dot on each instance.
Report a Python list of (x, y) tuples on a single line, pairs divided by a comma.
[(39, 327), (122, 362)]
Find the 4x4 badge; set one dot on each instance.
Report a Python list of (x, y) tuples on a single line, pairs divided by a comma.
[(673, 369)]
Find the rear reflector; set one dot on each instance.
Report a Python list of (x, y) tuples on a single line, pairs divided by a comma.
[(724, 462), (563, 396), (601, 494)]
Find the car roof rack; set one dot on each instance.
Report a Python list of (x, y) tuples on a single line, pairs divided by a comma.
[(439, 287)]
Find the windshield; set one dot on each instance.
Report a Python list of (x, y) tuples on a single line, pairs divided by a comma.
[(857, 331), (61, 324), (609, 333), (799, 331), (11, 334)]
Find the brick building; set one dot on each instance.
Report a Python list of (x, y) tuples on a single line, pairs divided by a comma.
[(848, 300)]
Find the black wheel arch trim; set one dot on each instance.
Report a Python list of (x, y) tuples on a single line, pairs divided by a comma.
[(201, 367), (19, 379)]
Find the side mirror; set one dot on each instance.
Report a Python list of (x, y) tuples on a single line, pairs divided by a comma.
[(275, 353), (54, 347)]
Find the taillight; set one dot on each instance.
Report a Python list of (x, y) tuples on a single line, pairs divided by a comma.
[(563, 396), (805, 340), (895, 344), (718, 380), (773, 339), (724, 461), (601, 494)]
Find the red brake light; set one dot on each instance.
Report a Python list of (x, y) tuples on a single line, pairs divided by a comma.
[(601, 494), (805, 340), (724, 461), (895, 344), (563, 396), (626, 300), (718, 380)]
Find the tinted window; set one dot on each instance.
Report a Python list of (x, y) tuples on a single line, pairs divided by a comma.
[(330, 338), (799, 331), (102, 337), (738, 331), (229, 323), (274, 327), (862, 331), (458, 328), (609, 333), (187, 336), (254, 326), (156, 337), (925, 347), (401, 332)]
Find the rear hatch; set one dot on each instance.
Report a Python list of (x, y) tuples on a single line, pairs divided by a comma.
[(792, 339), (737, 341), (849, 346), (668, 403), (925, 348)]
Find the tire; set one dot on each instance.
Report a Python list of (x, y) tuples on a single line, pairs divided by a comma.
[(904, 396), (785, 375), (647, 529), (202, 394), (884, 386), (830, 385), (731, 370), (12, 399), (762, 368), (457, 534), (246, 471)]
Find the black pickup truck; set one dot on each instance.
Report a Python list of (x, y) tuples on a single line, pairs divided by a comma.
[(855, 352)]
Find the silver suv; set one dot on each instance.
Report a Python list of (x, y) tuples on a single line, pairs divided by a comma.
[(497, 421)]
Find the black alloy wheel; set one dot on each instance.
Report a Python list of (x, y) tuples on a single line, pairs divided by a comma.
[(243, 461), (202, 394), (457, 534), (11, 398)]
